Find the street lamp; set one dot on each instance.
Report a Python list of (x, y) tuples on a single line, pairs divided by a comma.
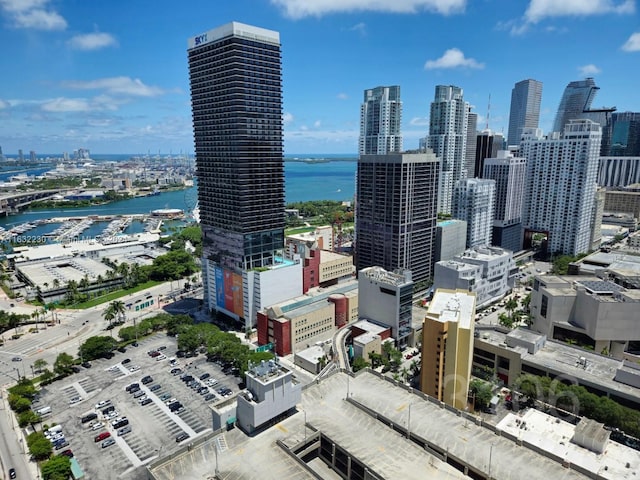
[(490, 453)]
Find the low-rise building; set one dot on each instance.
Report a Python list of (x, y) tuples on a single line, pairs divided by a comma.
[(295, 324), (270, 393), (489, 272), (368, 338), (588, 310), (386, 298)]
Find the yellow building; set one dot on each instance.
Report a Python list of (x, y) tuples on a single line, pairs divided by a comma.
[(447, 346)]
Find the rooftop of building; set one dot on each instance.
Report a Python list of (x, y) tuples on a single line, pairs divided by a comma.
[(379, 274), (329, 256), (453, 306), (453, 221), (354, 427), (554, 435), (484, 253), (605, 290), (311, 354), (370, 327), (598, 371), (266, 371), (54, 250), (319, 294)]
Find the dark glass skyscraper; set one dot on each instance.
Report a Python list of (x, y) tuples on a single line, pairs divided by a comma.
[(236, 99), (396, 216)]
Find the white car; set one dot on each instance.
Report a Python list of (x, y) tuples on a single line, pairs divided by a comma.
[(160, 358), (102, 403), (111, 415), (75, 399), (142, 398), (134, 368), (97, 426), (119, 419)]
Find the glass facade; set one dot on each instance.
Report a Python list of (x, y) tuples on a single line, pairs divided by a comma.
[(236, 98)]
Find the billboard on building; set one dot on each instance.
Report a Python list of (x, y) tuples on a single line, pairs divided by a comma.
[(229, 293)]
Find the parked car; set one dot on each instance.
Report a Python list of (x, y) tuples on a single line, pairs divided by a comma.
[(124, 430), (108, 442), (67, 453), (209, 397), (165, 396), (204, 376), (147, 379), (129, 387), (88, 417), (12, 473), (122, 349), (97, 426), (146, 401), (60, 445), (181, 437), (86, 364), (155, 387), (102, 403), (125, 361), (75, 399), (102, 436), (138, 394)]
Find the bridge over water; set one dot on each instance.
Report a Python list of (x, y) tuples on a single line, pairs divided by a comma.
[(13, 202)]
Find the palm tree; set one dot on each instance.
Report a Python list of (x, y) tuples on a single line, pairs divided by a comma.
[(34, 315), (510, 306), (109, 314), (118, 308)]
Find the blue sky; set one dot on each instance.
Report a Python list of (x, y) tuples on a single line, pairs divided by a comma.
[(112, 75)]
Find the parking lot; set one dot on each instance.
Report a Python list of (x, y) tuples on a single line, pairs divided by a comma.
[(159, 414)]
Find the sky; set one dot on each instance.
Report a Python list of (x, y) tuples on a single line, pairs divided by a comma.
[(112, 76)]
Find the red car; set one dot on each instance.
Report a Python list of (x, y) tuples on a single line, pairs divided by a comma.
[(102, 436), (67, 453)]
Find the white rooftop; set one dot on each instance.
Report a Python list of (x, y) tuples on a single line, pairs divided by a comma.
[(453, 306)]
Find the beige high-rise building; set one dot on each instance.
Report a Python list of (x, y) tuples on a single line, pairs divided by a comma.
[(447, 346)]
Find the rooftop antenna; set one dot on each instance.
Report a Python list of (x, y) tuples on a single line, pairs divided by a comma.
[(488, 112)]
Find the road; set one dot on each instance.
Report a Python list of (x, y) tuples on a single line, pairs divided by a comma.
[(74, 327)]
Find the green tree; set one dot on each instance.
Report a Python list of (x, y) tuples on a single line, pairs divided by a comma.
[(510, 306), (46, 376), (24, 388), (39, 446), (57, 468), (175, 322), (97, 347), (359, 363), (482, 393), (18, 403), (28, 417), (63, 364), (40, 364)]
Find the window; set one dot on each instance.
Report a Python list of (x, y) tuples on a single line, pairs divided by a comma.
[(544, 305)]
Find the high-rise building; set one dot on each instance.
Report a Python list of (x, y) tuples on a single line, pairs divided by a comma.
[(561, 183), (488, 144), (474, 200), (448, 126), (396, 216), (380, 120), (525, 108), (235, 76), (451, 239), (32, 156), (509, 174), (20, 155), (618, 171), (576, 104), (447, 346), (471, 149), (625, 135)]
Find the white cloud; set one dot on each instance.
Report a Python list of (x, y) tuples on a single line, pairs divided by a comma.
[(305, 8), (33, 14), (62, 104), (453, 58), (633, 44), (4, 104), (92, 41), (118, 85), (287, 117), (539, 9), (317, 124), (342, 96), (21, 5), (588, 70), (360, 28), (419, 121)]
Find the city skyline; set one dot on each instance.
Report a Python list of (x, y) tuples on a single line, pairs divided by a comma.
[(87, 75)]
